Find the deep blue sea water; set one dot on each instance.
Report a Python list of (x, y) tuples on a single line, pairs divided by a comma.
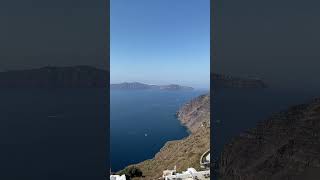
[(142, 121), (52, 134)]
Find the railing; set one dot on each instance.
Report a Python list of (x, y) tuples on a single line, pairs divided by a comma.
[(203, 162)]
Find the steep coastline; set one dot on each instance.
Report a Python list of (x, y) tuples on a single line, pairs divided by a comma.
[(186, 152), (286, 146), (195, 113)]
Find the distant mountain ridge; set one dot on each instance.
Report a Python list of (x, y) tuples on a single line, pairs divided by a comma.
[(52, 76), (137, 85)]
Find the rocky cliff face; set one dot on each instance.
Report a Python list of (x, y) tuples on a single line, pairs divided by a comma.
[(195, 113), (75, 76), (186, 152), (224, 81), (286, 146)]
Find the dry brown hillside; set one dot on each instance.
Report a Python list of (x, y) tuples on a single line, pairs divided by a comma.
[(286, 146)]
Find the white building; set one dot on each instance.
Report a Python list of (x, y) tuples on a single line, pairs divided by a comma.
[(117, 177), (190, 174), (169, 172)]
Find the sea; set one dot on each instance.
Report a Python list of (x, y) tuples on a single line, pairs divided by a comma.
[(53, 133), (142, 121)]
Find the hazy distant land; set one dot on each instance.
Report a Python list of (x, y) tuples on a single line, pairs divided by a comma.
[(218, 80), (137, 85), (88, 76)]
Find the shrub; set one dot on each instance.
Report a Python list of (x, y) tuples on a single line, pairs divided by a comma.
[(132, 172)]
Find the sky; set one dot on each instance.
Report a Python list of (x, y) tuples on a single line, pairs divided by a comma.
[(37, 33), (160, 42), (277, 41)]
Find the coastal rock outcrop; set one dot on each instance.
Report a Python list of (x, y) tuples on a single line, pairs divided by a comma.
[(286, 146)]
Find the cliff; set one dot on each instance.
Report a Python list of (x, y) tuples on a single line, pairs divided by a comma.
[(73, 76), (140, 86), (195, 113), (186, 152), (225, 81), (286, 146)]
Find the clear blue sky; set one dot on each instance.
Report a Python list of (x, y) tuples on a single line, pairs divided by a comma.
[(160, 42)]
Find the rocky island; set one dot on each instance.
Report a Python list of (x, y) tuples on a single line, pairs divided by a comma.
[(186, 152), (140, 86), (51, 76), (286, 146)]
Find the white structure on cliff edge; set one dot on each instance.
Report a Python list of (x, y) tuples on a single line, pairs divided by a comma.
[(190, 174), (117, 177)]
